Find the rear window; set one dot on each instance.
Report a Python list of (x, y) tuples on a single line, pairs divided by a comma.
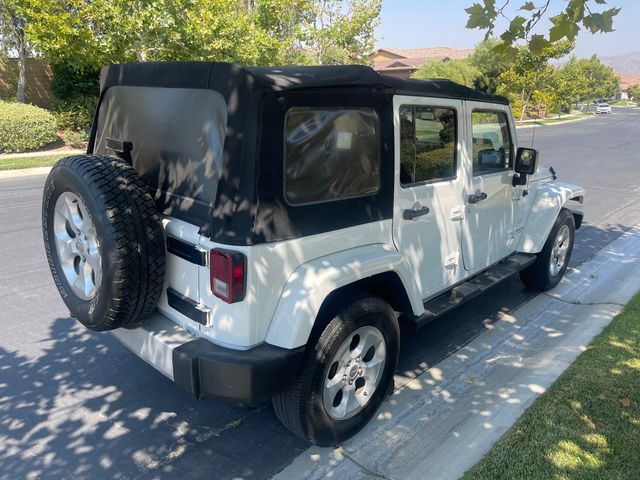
[(331, 154), (177, 138)]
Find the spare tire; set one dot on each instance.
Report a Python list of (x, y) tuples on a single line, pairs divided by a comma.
[(104, 241)]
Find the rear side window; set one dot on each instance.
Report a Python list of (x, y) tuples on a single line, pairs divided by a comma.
[(331, 154), (492, 146), (427, 144)]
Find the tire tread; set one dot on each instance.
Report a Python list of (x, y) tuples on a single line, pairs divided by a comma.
[(139, 255)]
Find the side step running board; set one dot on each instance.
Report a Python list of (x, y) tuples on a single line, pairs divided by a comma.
[(471, 288)]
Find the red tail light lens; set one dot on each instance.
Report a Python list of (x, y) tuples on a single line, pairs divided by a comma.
[(228, 275)]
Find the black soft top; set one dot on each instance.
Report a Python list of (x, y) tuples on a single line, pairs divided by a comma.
[(232, 186), (224, 77)]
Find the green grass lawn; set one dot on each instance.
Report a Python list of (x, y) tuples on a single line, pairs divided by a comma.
[(587, 425), (555, 119), (624, 103), (13, 163)]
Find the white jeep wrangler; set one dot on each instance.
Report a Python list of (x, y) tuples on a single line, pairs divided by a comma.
[(260, 232)]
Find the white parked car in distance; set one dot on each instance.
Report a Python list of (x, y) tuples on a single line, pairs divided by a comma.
[(603, 108)]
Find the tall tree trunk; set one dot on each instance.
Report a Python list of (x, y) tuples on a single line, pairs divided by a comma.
[(141, 55), (524, 106), (17, 31), (22, 73)]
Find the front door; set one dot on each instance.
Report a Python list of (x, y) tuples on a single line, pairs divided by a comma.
[(429, 202), (488, 234)]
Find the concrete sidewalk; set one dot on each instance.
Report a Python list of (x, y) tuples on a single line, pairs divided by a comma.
[(443, 422)]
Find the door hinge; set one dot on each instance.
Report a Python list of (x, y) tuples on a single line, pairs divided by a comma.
[(452, 260), (457, 213)]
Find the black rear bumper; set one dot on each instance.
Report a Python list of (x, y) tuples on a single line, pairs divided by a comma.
[(207, 370)]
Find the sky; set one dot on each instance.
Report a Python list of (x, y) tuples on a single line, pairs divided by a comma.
[(432, 23)]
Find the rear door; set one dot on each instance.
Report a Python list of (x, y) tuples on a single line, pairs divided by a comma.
[(488, 227), (429, 202)]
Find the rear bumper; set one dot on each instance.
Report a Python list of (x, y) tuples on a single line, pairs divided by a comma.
[(207, 370)]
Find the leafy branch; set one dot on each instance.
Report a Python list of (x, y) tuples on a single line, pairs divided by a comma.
[(566, 24)]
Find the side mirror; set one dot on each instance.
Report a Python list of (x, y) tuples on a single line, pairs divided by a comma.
[(526, 161), (526, 164)]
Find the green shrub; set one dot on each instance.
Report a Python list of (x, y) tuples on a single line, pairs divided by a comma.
[(25, 127), (76, 139), (75, 114), (70, 82)]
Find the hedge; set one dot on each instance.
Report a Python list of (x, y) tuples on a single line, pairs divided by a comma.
[(25, 127)]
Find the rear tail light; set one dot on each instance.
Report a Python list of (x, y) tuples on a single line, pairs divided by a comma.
[(228, 275)]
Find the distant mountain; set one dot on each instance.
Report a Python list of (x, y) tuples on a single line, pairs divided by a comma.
[(627, 63)]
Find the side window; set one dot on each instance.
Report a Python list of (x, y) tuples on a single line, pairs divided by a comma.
[(427, 144), (331, 154), (492, 146)]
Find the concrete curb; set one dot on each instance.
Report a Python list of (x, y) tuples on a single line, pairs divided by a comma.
[(441, 423), (24, 172)]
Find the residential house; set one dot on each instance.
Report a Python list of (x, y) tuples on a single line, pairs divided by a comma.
[(401, 62), (626, 80)]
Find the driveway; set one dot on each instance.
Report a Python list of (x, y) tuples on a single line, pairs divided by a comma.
[(76, 404)]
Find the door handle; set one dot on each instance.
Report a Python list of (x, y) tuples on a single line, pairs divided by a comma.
[(477, 197), (411, 213)]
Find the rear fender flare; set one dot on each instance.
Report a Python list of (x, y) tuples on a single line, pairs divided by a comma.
[(311, 283)]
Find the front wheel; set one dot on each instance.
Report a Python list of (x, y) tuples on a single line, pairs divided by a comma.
[(551, 264), (345, 374)]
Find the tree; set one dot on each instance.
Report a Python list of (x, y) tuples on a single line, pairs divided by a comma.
[(93, 33), (634, 93), (325, 32), (491, 64), (12, 37), (566, 24), (459, 71), (600, 81), (531, 78), (281, 19), (571, 86)]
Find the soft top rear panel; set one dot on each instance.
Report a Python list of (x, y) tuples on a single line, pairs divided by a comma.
[(177, 135), (192, 126)]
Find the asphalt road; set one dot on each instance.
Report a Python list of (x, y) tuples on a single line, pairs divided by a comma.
[(76, 404)]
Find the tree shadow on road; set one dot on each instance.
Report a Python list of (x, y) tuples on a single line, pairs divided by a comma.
[(88, 408)]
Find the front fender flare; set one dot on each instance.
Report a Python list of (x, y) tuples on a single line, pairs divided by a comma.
[(311, 283), (545, 207)]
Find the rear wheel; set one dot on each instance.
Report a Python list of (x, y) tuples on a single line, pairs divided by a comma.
[(551, 264), (345, 374)]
